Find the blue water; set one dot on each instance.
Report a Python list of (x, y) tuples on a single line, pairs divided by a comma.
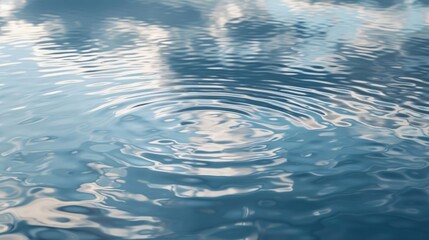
[(226, 119)]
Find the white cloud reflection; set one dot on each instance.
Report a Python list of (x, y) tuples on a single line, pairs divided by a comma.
[(8, 7)]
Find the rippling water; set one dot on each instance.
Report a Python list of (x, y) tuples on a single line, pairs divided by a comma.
[(226, 119)]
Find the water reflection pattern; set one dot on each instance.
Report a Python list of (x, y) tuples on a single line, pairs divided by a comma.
[(265, 119)]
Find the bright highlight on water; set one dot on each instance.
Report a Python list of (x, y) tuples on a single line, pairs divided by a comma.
[(226, 119)]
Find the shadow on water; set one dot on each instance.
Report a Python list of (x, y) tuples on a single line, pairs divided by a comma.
[(92, 13)]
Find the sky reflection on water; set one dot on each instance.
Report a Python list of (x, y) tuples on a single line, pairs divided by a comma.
[(267, 119)]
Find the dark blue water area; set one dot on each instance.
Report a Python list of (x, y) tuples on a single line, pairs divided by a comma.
[(215, 119)]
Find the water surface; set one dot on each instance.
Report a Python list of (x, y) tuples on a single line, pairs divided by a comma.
[(226, 119)]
